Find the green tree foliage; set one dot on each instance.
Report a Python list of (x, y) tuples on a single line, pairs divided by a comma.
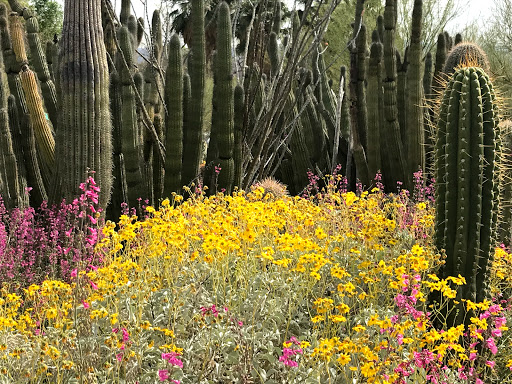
[(340, 31), (436, 15), (49, 16), (496, 40)]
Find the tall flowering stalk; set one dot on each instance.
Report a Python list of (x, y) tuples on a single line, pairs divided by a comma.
[(49, 242)]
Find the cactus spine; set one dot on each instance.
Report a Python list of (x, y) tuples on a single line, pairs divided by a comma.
[(84, 137), (466, 179)]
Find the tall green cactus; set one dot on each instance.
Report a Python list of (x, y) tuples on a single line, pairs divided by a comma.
[(174, 118), (45, 141), (34, 179), (391, 129), (362, 63), (441, 52), (83, 139), (375, 105), (39, 62), (467, 147), (239, 102), (156, 94), (428, 113), (505, 228), (415, 137), (131, 137), (222, 137), (401, 93), (193, 134), (125, 11)]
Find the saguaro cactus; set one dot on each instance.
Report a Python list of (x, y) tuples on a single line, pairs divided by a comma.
[(466, 179), (83, 140)]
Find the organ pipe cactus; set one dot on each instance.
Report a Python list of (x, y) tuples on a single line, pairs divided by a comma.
[(428, 113), (220, 150), (39, 62), (238, 127), (131, 137), (196, 69), (83, 140), (466, 161), (174, 118), (414, 139), (401, 93), (28, 143), (395, 170), (375, 105), (155, 98), (441, 52), (45, 141)]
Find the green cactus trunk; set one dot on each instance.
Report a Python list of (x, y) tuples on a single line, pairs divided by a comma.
[(395, 161), (466, 164), (222, 134), (28, 143), (428, 114), (174, 119), (156, 95), (45, 141), (401, 94), (362, 74), (193, 135), (415, 137), (441, 52), (39, 62), (375, 106), (239, 102), (84, 139)]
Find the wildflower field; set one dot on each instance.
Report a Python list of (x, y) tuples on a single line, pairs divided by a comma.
[(248, 288)]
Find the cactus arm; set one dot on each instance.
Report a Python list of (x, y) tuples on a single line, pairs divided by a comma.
[(223, 114), (394, 151), (374, 109), (196, 69), (414, 106), (239, 101), (174, 118)]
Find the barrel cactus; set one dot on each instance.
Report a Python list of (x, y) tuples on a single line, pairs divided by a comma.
[(466, 163), (465, 54)]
